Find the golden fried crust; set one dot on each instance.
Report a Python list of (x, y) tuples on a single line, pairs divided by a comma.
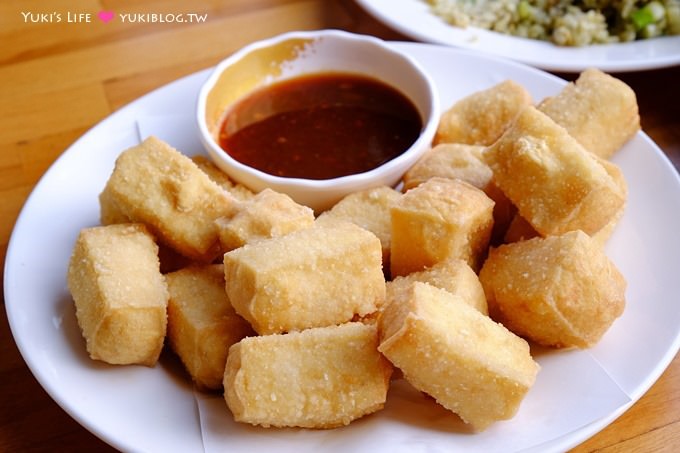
[(449, 350), (266, 215), (555, 183), (239, 191), (464, 162), (453, 161), (557, 291), (520, 229), (318, 378), (314, 277), (598, 110), (119, 293), (440, 219), (480, 118), (202, 324), (154, 184), (369, 209), (454, 275)]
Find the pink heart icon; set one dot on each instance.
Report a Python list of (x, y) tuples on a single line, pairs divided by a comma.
[(106, 16)]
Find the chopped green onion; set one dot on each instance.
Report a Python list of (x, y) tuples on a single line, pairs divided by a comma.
[(648, 14), (523, 9)]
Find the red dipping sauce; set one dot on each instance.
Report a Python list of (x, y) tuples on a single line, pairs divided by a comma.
[(320, 126)]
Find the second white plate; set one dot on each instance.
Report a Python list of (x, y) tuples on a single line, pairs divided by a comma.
[(414, 19)]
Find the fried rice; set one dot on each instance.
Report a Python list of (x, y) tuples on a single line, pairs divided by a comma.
[(566, 23)]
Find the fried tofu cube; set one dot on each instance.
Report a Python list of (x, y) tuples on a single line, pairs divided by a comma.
[(453, 275), (440, 219), (453, 161), (154, 184), (239, 191), (202, 324), (481, 117), (520, 229), (369, 209), (555, 183), (557, 291), (467, 362), (318, 378), (268, 214), (313, 277), (464, 162), (598, 110), (119, 293)]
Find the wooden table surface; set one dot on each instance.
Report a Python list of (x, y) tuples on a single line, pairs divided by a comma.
[(59, 78)]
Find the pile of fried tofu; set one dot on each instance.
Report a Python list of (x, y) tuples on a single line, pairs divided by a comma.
[(494, 241)]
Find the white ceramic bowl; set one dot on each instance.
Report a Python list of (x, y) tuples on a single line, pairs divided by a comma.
[(299, 53)]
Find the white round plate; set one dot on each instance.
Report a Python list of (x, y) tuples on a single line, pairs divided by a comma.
[(137, 408), (414, 19)]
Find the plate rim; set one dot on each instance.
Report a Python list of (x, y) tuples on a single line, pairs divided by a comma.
[(573, 61)]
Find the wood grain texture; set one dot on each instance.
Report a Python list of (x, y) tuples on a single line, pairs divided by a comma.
[(57, 80)]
